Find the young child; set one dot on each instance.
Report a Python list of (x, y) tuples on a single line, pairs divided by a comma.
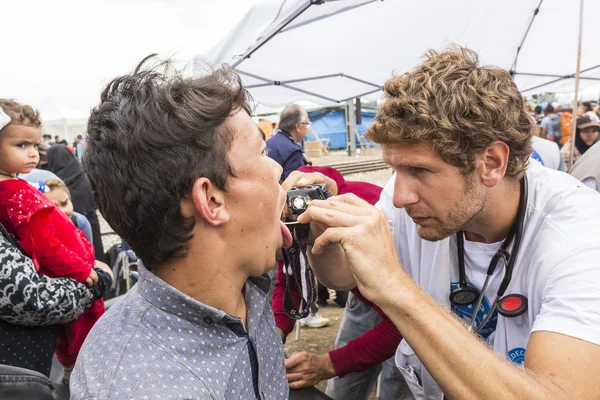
[(58, 193), (44, 232)]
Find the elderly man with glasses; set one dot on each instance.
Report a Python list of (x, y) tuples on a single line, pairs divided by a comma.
[(284, 146)]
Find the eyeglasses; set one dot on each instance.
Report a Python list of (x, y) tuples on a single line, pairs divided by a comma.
[(306, 123)]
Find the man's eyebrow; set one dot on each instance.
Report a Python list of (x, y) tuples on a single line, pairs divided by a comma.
[(409, 164)]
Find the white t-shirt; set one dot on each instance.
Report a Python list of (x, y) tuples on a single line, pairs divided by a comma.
[(547, 153), (557, 269)]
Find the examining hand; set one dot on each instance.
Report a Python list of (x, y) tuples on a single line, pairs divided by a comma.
[(302, 179), (364, 234), (305, 369)]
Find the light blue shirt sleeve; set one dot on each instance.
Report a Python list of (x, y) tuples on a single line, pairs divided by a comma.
[(591, 183), (547, 124), (84, 225)]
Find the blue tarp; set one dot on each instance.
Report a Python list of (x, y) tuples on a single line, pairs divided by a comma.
[(330, 123)]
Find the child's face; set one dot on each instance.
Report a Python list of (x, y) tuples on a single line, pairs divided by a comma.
[(60, 198), (18, 148)]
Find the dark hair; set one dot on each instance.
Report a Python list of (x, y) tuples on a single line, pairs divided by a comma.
[(79, 137), (290, 117), (587, 106), (549, 109), (154, 133), (537, 110)]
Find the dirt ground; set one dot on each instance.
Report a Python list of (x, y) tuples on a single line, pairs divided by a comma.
[(317, 340)]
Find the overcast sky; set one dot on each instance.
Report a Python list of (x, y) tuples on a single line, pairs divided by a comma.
[(68, 49)]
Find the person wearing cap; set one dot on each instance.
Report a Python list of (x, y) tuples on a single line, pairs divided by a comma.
[(587, 167), (586, 134)]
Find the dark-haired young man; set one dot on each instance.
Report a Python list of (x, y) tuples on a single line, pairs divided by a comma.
[(180, 172)]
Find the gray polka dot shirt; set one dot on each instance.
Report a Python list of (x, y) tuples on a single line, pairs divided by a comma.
[(161, 344)]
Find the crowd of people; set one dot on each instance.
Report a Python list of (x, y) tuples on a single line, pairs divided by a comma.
[(472, 274), (555, 126)]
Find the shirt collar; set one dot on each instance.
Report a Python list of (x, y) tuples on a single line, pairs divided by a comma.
[(284, 133), (172, 301)]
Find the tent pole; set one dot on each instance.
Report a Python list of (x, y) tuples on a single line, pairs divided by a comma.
[(350, 128), (574, 120)]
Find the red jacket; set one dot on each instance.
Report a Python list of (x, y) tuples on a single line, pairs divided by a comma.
[(375, 346), (56, 246)]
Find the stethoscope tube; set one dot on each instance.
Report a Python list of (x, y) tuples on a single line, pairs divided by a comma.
[(464, 295)]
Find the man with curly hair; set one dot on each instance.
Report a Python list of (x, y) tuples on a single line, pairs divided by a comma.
[(465, 199)]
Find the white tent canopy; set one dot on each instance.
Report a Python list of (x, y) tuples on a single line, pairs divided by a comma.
[(61, 120), (329, 51)]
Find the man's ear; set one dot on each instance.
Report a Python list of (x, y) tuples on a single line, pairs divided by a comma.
[(209, 202), (492, 163)]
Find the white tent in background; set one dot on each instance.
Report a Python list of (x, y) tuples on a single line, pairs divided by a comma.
[(330, 51), (60, 120)]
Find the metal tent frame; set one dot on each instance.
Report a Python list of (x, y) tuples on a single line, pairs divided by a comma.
[(287, 25)]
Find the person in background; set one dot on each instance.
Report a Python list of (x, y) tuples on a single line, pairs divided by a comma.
[(43, 148), (79, 147), (550, 125), (587, 168), (546, 152), (55, 246), (587, 109), (538, 115), (36, 305), (586, 134), (38, 175), (58, 193), (366, 339), (284, 146), (64, 164)]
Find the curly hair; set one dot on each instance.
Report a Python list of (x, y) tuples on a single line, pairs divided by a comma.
[(20, 114), (154, 133), (458, 107)]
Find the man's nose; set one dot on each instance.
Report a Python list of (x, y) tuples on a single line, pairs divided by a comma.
[(403, 193)]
